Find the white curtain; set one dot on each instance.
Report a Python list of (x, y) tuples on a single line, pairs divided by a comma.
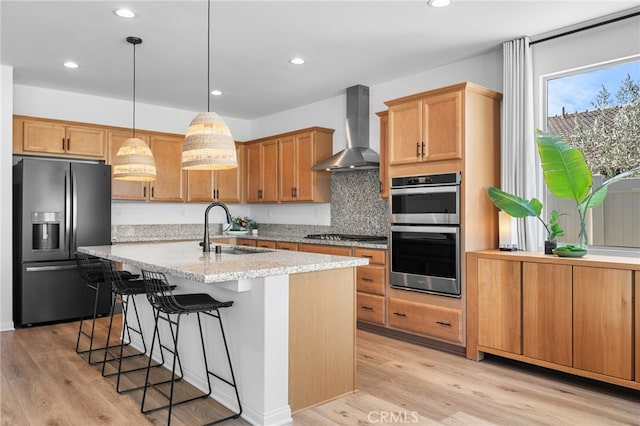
[(520, 170)]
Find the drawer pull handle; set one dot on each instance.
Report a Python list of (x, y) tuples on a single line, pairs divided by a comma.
[(400, 314), (368, 308), (367, 255), (367, 279), (446, 324)]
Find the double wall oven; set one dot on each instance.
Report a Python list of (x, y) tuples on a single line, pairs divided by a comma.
[(425, 234)]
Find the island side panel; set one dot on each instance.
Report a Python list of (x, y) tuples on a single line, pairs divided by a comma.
[(322, 327)]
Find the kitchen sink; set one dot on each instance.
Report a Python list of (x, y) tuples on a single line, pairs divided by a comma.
[(236, 250)]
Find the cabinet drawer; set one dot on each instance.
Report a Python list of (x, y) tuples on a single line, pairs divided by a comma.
[(245, 242), (429, 320), (370, 279), (266, 244), (283, 245), (370, 308), (375, 256), (325, 249)]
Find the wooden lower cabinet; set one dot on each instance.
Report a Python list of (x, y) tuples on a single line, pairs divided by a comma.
[(266, 244), (602, 318), (370, 308), (572, 315), (325, 249), (637, 324), (499, 305), (429, 320), (285, 245), (547, 312)]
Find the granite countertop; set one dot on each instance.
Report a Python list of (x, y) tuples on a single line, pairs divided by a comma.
[(186, 259)]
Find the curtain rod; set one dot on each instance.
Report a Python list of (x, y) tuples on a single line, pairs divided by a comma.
[(588, 27)]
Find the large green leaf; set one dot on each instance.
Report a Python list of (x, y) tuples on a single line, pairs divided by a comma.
[(513, 205), (566, 173), (597, 197)]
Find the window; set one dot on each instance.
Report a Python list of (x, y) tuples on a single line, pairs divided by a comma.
[(597, 110)]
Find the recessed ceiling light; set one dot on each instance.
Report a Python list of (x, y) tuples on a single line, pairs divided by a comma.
[(216, 92), (125, 13), (296, 61), (439, 3), (71, 64)]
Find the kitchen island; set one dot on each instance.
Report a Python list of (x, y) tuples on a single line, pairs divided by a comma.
[(291, 329)]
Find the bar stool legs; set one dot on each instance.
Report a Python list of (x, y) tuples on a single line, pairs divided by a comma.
[(91, 272), (123, 290), (165, 304)]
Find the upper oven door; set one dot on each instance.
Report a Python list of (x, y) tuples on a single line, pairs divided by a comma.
[(428, 205)]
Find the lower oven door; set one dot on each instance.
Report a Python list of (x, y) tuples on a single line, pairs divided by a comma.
[(426, 259)]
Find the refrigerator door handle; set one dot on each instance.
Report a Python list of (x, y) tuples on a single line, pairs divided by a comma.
[(49, 268), (67, 211), (74, 219)]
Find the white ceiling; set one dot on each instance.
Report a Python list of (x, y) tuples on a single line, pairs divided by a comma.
[(343, 42)]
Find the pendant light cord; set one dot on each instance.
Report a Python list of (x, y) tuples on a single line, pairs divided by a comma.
[(209, 56), (134, 90), (134, 41)]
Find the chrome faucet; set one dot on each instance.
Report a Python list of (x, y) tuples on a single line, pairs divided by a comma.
[(205, 242)]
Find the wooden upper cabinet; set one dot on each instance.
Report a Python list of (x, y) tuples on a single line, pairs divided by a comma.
[(170, 181), (122, 189), (297, 153), (288, 159), (384, 164), (59, 138), (262, 166), (442, 127), (221, 185), (405, 132), (426, 128), (279, 167)]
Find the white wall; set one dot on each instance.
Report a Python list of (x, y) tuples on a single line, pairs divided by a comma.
[(6, 195)]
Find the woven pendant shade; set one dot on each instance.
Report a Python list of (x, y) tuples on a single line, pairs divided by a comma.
[(208, 144), (134, 161)]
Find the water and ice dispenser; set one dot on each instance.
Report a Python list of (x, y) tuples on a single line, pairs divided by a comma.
[(46, 230)]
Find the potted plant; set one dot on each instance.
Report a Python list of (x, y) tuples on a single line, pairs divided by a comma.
[(567, 175), (519, 207)]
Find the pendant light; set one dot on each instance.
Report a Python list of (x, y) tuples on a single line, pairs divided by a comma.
[(134, 160), (208, 144)]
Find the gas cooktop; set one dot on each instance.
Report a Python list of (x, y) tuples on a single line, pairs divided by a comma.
[(348, 237)]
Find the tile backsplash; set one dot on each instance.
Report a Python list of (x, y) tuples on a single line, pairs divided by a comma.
[(356, 207)]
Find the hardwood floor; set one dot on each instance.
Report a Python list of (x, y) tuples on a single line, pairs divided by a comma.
[(44, 382)]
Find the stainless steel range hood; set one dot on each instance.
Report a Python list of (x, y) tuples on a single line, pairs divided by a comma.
[(357, 155)]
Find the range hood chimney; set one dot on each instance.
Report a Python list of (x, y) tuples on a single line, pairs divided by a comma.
[(357, 155)]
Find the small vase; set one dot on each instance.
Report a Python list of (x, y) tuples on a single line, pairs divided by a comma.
[(582, 236), (549, 245)]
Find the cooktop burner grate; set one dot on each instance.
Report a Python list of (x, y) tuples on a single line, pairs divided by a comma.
[(347, 237)]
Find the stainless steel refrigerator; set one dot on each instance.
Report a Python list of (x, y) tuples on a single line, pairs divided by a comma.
[(58, 206)]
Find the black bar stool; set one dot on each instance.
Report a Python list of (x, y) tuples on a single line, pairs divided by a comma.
[(90, 270), (165, 303), (122, 290)]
